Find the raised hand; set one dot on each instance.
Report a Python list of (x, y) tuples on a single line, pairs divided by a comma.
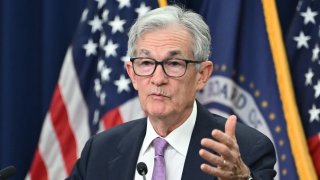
[(227, 164)]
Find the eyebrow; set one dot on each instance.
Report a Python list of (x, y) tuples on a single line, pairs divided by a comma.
[(170, 53), (144, 52)]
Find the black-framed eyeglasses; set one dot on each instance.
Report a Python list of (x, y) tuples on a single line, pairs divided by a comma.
[(176, 67)]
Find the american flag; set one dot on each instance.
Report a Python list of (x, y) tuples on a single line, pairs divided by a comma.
[(94, 91), (303, 48)]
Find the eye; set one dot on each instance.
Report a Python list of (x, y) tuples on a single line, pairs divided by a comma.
[(175, 63), (146, 62)]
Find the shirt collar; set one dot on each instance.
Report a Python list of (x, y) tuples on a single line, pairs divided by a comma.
[(179, 138)]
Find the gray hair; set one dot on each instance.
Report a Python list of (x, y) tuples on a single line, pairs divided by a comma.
[(172, 15)]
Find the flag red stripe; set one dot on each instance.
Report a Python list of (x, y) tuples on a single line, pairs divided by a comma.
[(314, 148), (61, 125), (112, 118), (38, 169)]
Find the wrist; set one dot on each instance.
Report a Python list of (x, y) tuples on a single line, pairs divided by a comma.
[(249, 177)]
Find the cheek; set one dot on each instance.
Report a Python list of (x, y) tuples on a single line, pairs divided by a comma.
[(139, 83), (186, 92)]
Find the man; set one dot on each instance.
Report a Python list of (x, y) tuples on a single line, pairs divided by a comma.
[(170, 48)]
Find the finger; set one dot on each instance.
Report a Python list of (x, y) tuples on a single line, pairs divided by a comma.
[(213, 171), (230, 127), (212, 158), (223, 138), (218, 147)]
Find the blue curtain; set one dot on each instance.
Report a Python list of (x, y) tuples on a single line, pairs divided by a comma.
[(34, 36)]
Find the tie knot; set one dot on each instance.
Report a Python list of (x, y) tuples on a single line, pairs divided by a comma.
[(160, 145)]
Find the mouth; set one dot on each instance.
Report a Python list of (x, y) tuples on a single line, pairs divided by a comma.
[(158, 96)]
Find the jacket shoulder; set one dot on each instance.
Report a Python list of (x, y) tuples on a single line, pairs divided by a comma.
[(117, 132)]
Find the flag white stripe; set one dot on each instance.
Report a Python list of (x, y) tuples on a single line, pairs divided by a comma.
[(27, 177), (50, 151), (74, 102)]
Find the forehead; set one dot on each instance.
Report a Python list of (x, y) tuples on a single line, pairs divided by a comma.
[(172, 40)]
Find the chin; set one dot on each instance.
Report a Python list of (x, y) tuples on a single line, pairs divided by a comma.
[(157, 115), (156, 110)]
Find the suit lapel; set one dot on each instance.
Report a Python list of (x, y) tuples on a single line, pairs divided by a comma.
[(124, 165), (203, 127)]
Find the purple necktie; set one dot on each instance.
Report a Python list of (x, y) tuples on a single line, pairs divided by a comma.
[(159, 168)]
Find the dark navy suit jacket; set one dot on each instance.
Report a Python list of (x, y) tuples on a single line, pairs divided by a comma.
[(113, 154)]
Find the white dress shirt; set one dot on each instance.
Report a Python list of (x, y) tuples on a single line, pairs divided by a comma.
[(176, 152)]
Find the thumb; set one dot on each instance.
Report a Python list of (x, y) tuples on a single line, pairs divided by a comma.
[(230, 127)]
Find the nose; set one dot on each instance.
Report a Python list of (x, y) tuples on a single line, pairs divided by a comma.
[(159, 77)]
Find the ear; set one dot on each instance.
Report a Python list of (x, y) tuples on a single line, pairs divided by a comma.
[(131, 74), (204, 74)]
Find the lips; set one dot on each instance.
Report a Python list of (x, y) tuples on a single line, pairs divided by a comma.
[(158, 94), (158, 97)]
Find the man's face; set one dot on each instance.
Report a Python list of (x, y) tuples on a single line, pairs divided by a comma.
[(164, 97)]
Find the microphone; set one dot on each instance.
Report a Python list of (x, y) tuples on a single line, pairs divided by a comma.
[(7, 172), (142, 169)]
